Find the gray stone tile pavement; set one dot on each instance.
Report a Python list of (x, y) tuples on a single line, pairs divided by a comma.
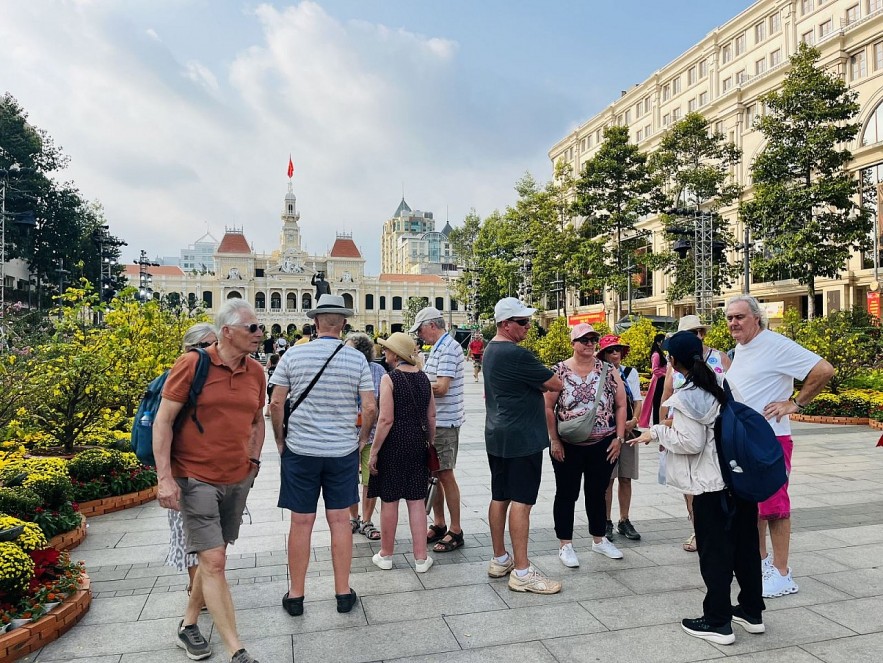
[(627, 610)]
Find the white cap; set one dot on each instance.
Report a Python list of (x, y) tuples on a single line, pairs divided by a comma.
[(425, 315), (511, 307)]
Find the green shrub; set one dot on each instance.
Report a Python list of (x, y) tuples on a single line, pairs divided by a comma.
[(19, 502), (94, 464), (54, 489), (852, 403)]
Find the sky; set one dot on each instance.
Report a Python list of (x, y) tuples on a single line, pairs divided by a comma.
[(179, 116)]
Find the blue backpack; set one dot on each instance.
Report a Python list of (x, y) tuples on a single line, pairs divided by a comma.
[(751, 458), (142, 429)]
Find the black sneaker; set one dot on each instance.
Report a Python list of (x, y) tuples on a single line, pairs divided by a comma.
[(750, 624), (243, 656), (700, 628), (609, 532), (191, 641), (627, 530), (345, 602)]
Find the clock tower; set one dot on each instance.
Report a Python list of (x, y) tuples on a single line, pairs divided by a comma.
[(290, 240)]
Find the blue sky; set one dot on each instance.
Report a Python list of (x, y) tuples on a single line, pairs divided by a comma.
[(179, 115)]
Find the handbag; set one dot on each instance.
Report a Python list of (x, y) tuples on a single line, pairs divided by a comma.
[(578, 429), (288, 408)]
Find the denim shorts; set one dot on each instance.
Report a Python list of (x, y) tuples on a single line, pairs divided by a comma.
[(303, 477)]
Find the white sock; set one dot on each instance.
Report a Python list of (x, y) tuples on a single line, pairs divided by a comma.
[(522, 572), (502, 559)]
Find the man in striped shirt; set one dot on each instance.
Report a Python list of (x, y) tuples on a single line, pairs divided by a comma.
[(445, 370)]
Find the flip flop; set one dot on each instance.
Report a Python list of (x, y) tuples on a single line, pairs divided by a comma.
[(439, 533), (690, 544)]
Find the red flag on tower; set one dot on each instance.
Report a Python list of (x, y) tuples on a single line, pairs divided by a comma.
[(290, 167)]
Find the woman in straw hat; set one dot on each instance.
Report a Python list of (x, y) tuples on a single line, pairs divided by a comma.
[(405, 430)]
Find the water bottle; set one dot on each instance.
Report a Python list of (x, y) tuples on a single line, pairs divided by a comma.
[(147, 419)]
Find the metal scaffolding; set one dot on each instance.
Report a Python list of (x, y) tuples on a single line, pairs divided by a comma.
[(703, 256)]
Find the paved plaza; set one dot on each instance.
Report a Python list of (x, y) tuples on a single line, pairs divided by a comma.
[(609, 610)]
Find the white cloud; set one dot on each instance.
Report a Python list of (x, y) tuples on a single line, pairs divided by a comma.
[(169, 143)]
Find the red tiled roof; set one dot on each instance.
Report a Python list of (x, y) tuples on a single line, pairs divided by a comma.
[(344, 247), (234, 242), (158, 270), (411, 278)]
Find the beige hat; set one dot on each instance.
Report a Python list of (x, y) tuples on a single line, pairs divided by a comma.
[(690, 322), (403, 345)]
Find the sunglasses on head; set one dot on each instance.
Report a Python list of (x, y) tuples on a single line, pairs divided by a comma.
[(587, 340), (204, 344), (252, 328), (523, 322)]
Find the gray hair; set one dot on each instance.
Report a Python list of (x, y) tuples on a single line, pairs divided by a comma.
[(754, 306), (232, 312), (197, 334), (363, 343), (334, 321), (438, 323)]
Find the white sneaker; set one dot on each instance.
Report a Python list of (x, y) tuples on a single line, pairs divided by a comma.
[(382, 562), (606, 548), (423, 565), (568, 557), (775, 584), (534, 582), (766, 565)]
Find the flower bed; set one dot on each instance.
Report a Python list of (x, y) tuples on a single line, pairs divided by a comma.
[(850, 407), (117, 502), (70, 539)]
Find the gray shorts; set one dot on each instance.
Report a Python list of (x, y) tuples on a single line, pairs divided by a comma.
[(447, 443), (627, 466), (212, 513)]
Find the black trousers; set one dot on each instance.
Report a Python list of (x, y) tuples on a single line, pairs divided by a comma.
[(586, 464), (657, 400), (728, 547)]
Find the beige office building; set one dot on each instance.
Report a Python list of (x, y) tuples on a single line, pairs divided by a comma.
[(410, 244), (722, 77)]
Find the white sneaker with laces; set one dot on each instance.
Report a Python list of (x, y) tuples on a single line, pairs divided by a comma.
[(534, 582), (568, 557), (423, 565), (766, 564), (382, 562), (607, 549), (775, 584)]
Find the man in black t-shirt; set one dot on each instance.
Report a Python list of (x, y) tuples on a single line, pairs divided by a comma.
[(515, 435)]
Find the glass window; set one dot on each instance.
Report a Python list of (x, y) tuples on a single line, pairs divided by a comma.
[(666, 120), (703, 69), (396, 303), (639, 135), (628, 116), (776, 57), (666, 92), (676, 114), (647, 130), (691, 73), (369, 302), (703, 98), (727, 83), (676, 85), (741, 77), (808, 38), (382, 303), (878, 55), (440, 303), (874, 129), (852, 14), (775, 23), (826, 28), (739, 44), (691, 105), (760, 66), (875, 5), (805, 7), (647, 105), (726, 53), (858, 67), (759, 32)]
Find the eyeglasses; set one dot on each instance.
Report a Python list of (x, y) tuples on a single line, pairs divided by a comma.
[(205, 344), (588, 340), (523, 322), (252, 328)]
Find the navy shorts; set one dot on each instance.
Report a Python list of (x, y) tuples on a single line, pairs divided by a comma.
[(516, 479), (304, 476)]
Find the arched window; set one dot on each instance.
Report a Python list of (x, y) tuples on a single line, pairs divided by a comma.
[(207, 298), (191, 301), (369, 302), (454, 305), (276, 330), (260, 300), (234, 295), (396, 303), (275, 301), (292, 327), (369, 329), (382, 303), (397, 327), (306, 301), (874, 128), (347, 300), (291, 301), (440, 303)]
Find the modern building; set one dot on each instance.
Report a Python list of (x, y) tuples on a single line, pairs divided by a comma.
[(281, 285), (723, 77), (410, 244)]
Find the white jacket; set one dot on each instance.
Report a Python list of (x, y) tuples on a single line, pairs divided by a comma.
[(691, 463)]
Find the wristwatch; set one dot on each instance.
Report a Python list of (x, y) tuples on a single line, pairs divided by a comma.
[(619, 439), (800, 407)]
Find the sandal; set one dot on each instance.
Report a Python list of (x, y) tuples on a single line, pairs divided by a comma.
[(690, 544), (456, 541), (438, 532), (356, 523), (371, 533)]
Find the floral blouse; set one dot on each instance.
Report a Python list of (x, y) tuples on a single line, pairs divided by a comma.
[(579, 394)]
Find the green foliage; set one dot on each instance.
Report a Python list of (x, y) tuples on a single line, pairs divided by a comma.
[(532, 339), (555, 346), (412, 309), (847, 339), (872, 379), (54, 489), (639, 337), (95, 464), (851, 403), (803, 210), (19, 502), (718, 335)]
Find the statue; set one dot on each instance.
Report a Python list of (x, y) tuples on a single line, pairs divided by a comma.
[(346, 278), (322, 286)]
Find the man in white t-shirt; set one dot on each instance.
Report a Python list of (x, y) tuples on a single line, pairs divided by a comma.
[(445, 369), (763, 371)]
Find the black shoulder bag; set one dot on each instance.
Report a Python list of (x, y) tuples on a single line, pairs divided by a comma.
[(289, 408)]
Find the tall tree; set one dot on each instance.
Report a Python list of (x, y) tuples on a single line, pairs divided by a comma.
[(694, 163), (804, 208), (614, 190)]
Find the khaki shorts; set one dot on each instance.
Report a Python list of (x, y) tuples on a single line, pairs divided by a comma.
[(627, 466), (447, 443), (212, 513)]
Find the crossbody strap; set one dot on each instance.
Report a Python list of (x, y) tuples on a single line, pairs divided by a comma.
[(305, 392)]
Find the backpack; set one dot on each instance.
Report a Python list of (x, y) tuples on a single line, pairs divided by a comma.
[(142, 429), (751, 458)]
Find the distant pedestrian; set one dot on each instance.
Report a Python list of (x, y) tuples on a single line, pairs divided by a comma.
[(272, 363), (515, 435), (476, 351), (658, 367)]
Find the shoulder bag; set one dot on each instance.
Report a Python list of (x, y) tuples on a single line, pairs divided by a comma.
[(578, 429), (289, 407)]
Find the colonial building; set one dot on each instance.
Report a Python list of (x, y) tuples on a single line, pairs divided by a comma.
[(282, 285), (723, 77)]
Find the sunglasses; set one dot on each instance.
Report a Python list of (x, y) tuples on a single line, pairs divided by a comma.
[(204, 344), (252, 328), (522, 322), (588, 340)]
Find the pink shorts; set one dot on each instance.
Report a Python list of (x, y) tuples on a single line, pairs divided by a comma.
[(778, 506)]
